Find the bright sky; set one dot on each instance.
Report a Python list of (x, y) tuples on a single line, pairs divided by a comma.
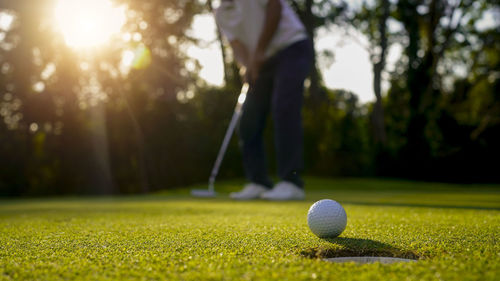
[(351, 69)]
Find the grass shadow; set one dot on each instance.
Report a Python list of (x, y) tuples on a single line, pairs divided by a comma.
[(356, 247)]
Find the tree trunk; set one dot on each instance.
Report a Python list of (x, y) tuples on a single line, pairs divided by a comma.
[(378, 110), (378, 67)]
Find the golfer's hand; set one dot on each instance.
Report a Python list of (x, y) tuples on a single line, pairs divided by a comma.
[(255, 66)]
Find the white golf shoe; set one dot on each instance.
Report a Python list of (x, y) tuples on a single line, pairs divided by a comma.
[(249, 192), (284, 191)]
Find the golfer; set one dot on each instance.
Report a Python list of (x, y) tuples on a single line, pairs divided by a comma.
[(269, 40)]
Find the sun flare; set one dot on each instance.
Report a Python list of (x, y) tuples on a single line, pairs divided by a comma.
[(88, 23)]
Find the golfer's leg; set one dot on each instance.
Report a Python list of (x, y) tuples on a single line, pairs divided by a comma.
[(292, 69), (251, 127)]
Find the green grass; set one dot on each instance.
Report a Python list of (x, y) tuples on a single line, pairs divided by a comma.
[(453, 230)]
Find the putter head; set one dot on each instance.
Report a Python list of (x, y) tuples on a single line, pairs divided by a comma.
[(205, 193)]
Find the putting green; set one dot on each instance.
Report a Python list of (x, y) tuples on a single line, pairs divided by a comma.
[(452, 230)]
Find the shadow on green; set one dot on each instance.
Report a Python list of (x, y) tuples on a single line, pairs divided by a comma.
[(356, 247)]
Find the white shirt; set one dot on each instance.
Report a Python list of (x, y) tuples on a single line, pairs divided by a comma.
[(243, 20)]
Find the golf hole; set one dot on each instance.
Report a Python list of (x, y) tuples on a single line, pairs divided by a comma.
[(366, 260)]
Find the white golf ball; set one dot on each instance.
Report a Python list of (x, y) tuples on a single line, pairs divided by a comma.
[(327, 218)]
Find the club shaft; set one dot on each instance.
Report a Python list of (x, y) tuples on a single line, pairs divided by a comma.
[(227, 137)]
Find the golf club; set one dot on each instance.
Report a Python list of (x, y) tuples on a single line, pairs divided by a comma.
[(210, 192)]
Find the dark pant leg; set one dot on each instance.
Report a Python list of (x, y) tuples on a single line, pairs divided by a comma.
[(251, 128), (293, 65)]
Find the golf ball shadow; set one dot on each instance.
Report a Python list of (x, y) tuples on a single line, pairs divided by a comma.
[(327, 218)]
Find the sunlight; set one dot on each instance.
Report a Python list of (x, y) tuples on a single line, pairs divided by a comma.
[(88, 23)]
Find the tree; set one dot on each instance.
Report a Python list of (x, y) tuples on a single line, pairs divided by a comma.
[(63, 97), (432, 29), (372, 21)]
